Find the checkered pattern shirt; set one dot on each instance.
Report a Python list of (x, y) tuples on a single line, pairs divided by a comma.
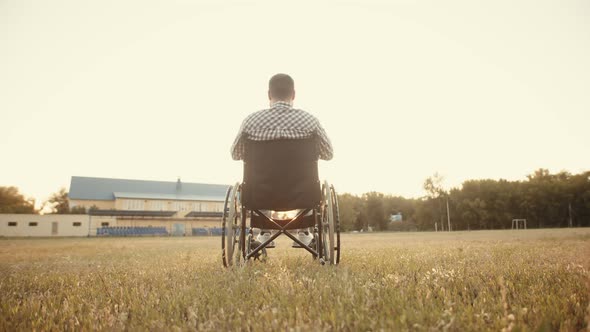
[(281, 121)]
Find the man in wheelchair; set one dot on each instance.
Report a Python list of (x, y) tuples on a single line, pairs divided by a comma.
[(281, 192)]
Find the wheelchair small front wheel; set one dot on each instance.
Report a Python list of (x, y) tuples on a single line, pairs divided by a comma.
[(253, 244)]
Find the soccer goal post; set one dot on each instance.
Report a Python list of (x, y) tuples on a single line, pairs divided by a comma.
[(518, 223)]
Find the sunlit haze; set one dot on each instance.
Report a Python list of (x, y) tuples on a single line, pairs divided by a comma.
[(157, 90)]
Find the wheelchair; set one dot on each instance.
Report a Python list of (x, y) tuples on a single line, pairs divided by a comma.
[(280, 176)]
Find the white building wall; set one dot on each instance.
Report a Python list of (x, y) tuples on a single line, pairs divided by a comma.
[(66, 224), (43, 225)]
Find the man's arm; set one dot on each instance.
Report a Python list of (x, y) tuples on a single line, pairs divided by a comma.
[(237, 149), (324, 146)]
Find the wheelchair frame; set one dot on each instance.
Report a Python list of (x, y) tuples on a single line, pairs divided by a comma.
[(237, 237)]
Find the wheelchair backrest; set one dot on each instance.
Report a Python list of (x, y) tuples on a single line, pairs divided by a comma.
[(281, 175)]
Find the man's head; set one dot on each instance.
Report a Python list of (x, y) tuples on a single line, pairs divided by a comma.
[(281, 87)]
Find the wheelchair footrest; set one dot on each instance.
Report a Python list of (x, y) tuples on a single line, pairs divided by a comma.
[(297, 245), (255, 245)]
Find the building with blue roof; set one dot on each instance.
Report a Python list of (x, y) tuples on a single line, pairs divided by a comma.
[(177, 206)]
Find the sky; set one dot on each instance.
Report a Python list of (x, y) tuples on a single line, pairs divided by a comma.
[(156, 90)]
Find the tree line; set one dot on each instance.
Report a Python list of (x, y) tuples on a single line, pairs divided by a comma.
[(543, 199), (12, 201)]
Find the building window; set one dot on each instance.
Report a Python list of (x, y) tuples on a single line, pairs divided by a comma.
[(33, 223), (157, 205), (104, 224), (212, 207), (12, 223), (134, 204), (77, 224), (177, 206), (196, 206)]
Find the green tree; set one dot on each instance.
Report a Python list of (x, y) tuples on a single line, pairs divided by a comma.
[(375, 211), (435, 191), (58, 202), (78, 210), (426, 214), (350, 207), (433, 185), (11, 201)]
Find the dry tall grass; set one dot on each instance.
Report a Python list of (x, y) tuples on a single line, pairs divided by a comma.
[(513, 280)]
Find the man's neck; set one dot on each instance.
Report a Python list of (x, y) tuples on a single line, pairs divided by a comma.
[(274, 101)]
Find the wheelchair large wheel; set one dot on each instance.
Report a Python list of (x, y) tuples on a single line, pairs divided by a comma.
[(231, 227), (336, 210), (327, 236)]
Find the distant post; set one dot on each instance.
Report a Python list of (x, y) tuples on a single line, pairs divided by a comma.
[(448, 215), (89, 222), (569, 210)]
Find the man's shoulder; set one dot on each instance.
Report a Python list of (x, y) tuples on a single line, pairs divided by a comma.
[(305, 114), (312, 119), (255, 115)]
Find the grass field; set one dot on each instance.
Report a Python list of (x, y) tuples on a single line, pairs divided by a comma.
[(486, 280)]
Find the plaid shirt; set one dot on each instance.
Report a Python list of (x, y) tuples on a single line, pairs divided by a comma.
[(281, 121)]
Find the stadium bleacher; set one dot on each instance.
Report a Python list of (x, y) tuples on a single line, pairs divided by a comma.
[(131, 231), (154, 231), (216, 231), (200, 232)]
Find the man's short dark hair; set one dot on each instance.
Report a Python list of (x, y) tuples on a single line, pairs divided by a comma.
[(281, 86)]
